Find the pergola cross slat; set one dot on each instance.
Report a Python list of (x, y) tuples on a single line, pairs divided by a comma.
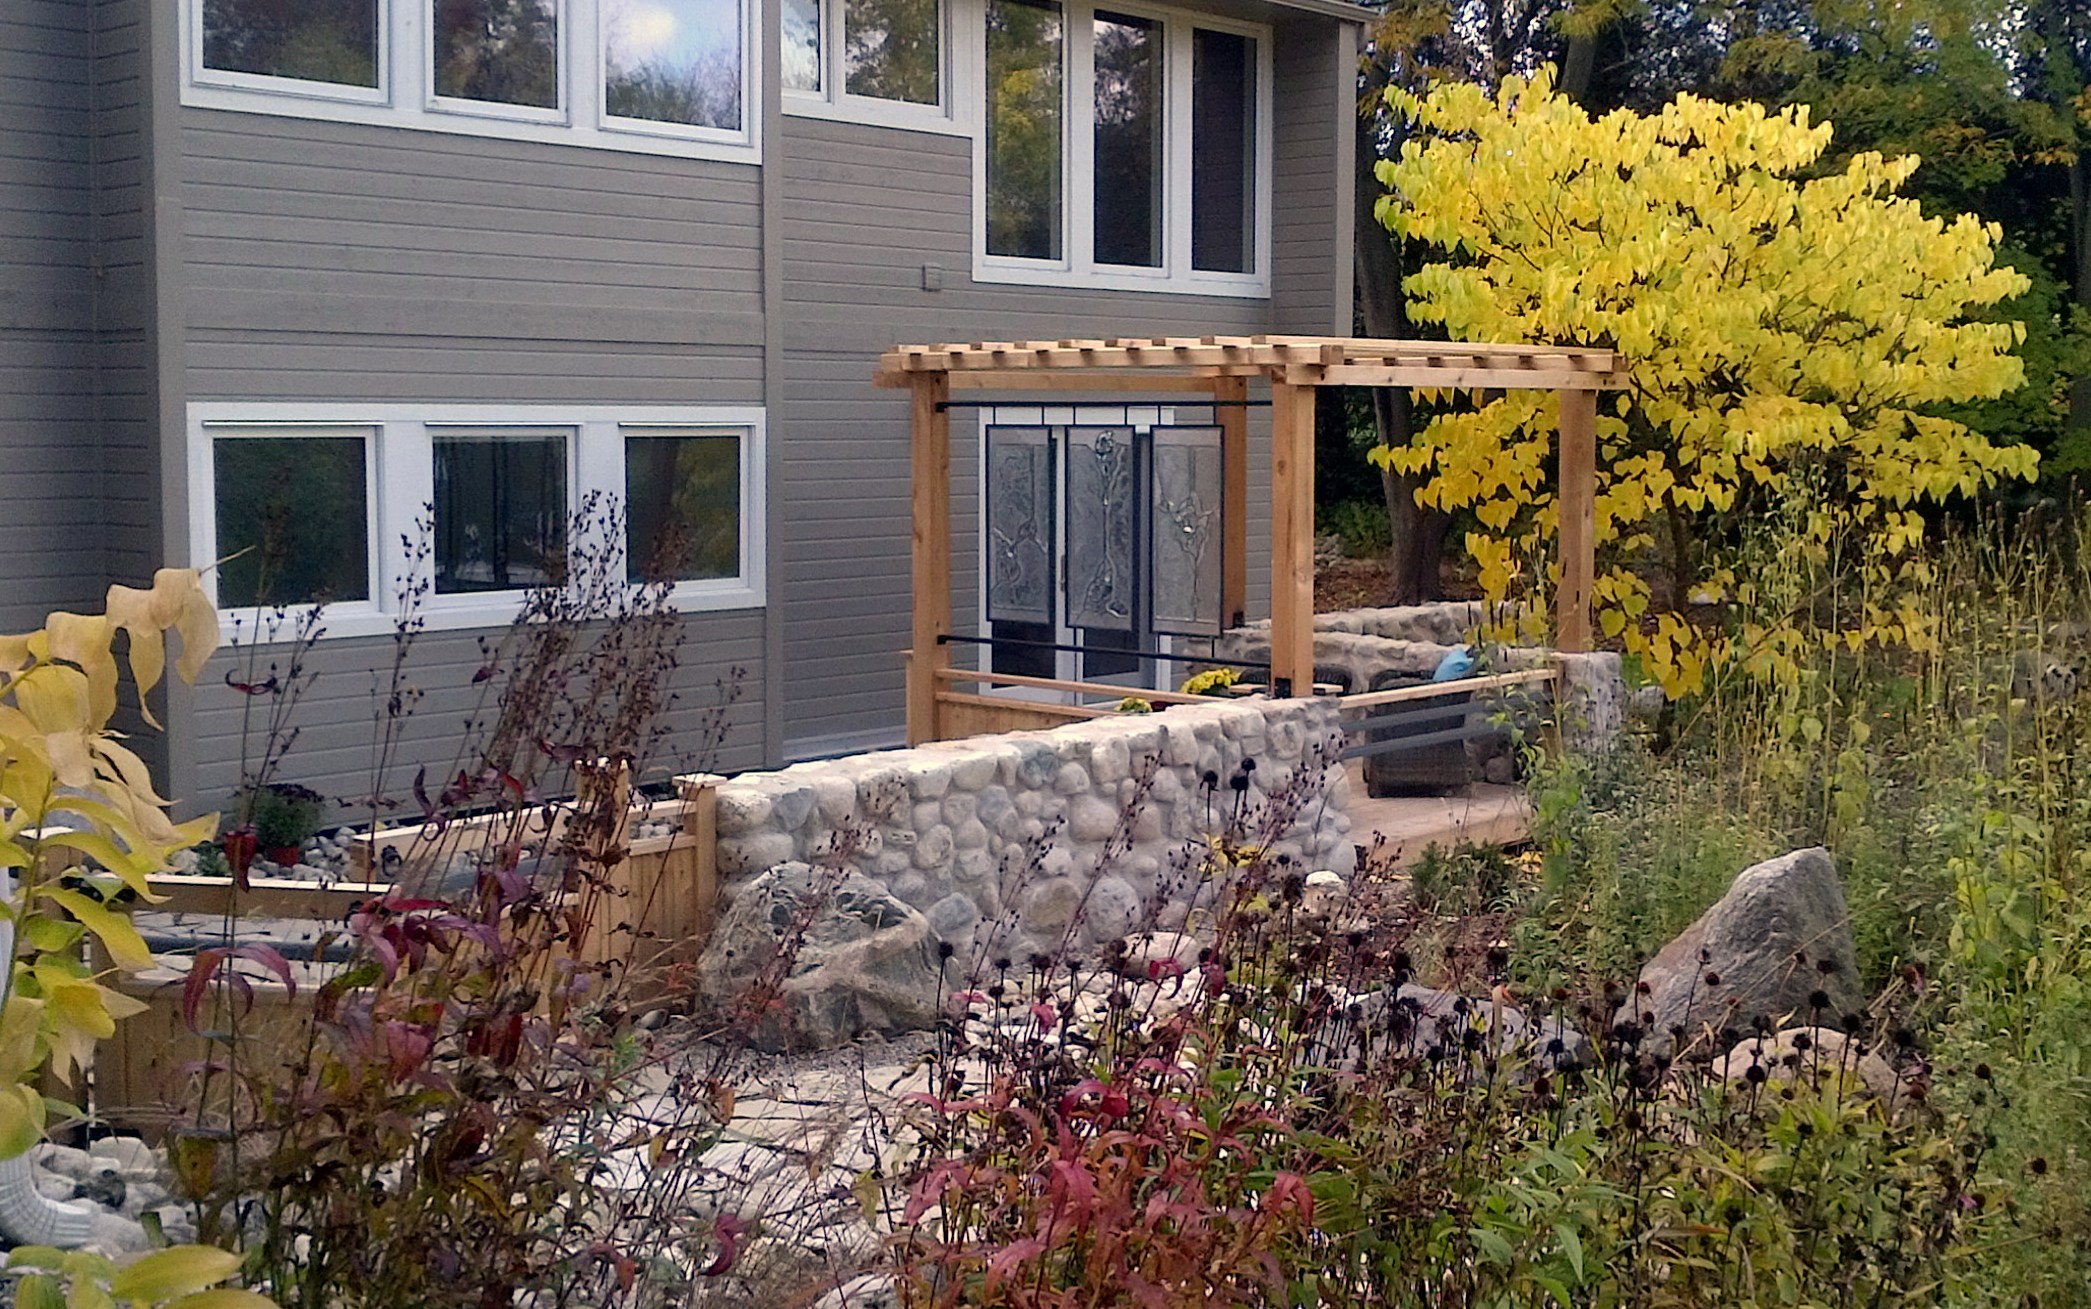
[(1222, 367)]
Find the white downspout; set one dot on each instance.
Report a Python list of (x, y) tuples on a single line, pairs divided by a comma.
[(27, 1215)]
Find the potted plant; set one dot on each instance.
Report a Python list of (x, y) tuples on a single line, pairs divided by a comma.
[(284, 816)]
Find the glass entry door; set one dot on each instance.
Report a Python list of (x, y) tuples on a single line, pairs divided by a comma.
[(1101, 549)]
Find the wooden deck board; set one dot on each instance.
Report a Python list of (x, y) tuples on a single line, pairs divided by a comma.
[(1481, 814)]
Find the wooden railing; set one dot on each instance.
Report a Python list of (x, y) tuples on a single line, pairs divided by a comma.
[(968, 713)]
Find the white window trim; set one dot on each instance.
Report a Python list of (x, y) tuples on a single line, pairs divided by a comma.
[(401, 469), (1078, 267), (961, 26), (405, 95)]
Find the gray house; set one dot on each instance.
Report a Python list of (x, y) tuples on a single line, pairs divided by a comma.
[(317, 272)]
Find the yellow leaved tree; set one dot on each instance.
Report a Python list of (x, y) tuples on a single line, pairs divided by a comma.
[(1785, 332), (78, 818)]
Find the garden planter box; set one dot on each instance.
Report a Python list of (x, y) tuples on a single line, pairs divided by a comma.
[(657, 914)]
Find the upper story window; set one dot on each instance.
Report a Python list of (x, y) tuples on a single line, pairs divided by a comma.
[(1123, 148), (345, 504), (879, 61), (655, 76)]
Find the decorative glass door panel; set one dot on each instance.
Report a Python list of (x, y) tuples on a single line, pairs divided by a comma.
[(1106, 538)]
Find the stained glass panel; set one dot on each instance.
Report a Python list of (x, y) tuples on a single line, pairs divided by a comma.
[(1185, 541), (1102, 556), (1020, 525)]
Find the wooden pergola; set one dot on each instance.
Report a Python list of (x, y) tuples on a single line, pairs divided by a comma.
[(1220, 369)]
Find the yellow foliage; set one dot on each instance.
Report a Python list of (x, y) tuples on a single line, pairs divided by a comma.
[(1768, 321), (71, 792)]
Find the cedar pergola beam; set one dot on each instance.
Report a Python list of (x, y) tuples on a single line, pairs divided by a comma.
[(1222, 367)]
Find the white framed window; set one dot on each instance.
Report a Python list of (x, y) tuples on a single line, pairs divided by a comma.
[(347, 504), (889, 62), (1123, 146), (670, 77)]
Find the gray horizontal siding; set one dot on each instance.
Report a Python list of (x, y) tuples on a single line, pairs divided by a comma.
[(1309, 163), (333, 261), (127, 380), (50, 532), (335, 744), (855, 239)]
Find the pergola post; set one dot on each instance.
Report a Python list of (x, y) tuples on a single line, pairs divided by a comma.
[(1578, 509), (931, 508), (1292, 538), (1231, 409)]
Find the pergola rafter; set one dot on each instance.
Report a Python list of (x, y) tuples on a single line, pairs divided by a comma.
[(1221, 367)]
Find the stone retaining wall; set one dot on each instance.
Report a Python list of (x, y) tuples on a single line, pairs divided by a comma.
[(1014, 834)]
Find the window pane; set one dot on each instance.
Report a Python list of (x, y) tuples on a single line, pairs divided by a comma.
[(1023, 129), (890, 49), (500, 510), (295, 509), (673, 61), (501, 51), (317, 40), (682, 506), (1128, 141), (1223, 152), (801, 45)]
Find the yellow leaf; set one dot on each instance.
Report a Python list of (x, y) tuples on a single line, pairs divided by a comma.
[(126, 948), (177, 1271)]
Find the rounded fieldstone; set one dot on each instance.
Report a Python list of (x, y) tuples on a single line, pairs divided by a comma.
[(1286, 739), (1109, 761), (1050, 906), (929, 781), (953, 916), (1113, 909), (1029, 803), (973, 864), (1166, 786), (114, 1234), (755, 853), (974, 771), (741, 810), (790, 808), (969, 835), (958, 807), (1091, 819), (933, 848), (1180, 746), (994, 805), (1036, 766), (888, 864), (836, 797), (1150, 822), (1071, 779), (912, 887), (926, 815), (879, 791)]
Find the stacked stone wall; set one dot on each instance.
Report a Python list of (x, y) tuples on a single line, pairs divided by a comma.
[(1072, 836)]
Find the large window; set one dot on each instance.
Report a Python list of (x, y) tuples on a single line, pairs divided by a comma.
[(1123, 148), (656, 76), (351, 505), (881, 61)]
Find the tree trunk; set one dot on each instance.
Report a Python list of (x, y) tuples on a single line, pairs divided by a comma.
[(1416, 533), (1577, 68), (2080, 224)]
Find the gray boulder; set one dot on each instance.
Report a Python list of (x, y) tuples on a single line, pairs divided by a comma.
[(1779, 941), (866, 961)]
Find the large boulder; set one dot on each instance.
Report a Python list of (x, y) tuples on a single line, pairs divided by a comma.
[(1776, 948), (864, 961)]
